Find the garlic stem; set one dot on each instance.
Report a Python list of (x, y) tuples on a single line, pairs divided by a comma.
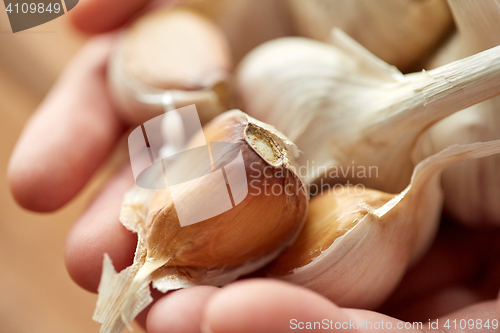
[(449, 88), (344, 108)]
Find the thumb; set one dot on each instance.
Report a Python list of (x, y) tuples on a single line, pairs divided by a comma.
[(264, 305)]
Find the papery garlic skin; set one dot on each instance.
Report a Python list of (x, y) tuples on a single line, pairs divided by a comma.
[(399, 32), (472, 189), (154, 68), (344, 107), (219, 249), (355, 247)]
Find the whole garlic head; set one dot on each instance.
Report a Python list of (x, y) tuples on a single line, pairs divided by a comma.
[(344, 107)]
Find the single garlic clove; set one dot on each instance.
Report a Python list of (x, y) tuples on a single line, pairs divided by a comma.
[(221, 248), (247, 23), (399, 32), (348, 111), (167, 59), (471, 189), (357, 244)]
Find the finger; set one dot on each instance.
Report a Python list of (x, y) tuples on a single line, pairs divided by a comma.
[(436, 304), (273, 306), (97, 16), (265, 305), (365, 321), (142, 317), (99, 231), (180, 311), (498, 303), (70, 135), (470, 319)]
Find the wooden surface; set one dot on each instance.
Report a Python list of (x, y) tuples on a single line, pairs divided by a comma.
[(36, 293)]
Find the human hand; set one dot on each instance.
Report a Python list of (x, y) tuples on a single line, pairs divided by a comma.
[(84, 129), (452, 289), (70, 137)]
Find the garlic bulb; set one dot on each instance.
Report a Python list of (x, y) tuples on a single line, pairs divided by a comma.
[(347, 110), (472, 189), (246, 23), (357, 244), (167, 59), (218, 249), (399, 32)]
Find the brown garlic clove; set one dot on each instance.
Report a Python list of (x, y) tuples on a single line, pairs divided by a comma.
[(330, 217), (167, 59), (258, 224), (356, 245), (218, 249)]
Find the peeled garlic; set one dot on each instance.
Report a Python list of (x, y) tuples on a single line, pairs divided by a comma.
[(219, 249), (356, 245), (399, 32), (472, 190), (345, 108), (168, 59)]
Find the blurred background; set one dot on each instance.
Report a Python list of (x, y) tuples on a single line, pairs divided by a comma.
[(36, 293)]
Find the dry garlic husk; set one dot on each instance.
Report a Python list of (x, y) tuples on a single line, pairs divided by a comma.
[(356, 245), (472, 189), (399, 32), (215, 251), (247, 23), (345, 109), (167, 59)]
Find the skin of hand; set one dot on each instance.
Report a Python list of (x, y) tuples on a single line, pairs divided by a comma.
[(76, 128)]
